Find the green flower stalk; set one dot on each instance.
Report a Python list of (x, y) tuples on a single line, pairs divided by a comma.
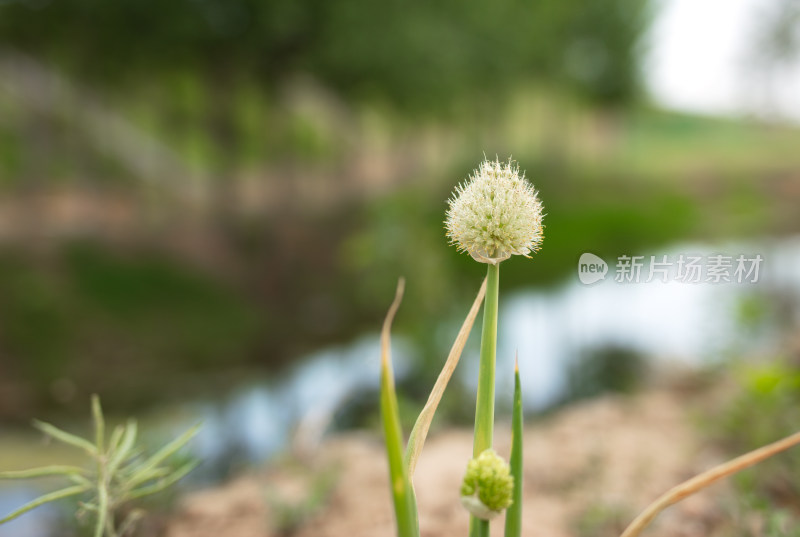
[(488, 486), (495, 214)]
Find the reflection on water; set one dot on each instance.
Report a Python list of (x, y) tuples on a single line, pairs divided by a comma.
[(258, 419), (551, 329)]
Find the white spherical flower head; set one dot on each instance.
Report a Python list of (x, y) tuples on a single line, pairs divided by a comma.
[(495, 214)]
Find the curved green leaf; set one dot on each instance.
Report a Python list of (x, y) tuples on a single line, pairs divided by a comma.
[(161, 484), (41, 500), (44, 471), (402, 490), (67, 438)]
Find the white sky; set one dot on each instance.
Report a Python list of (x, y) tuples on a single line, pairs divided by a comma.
[(696, 61)]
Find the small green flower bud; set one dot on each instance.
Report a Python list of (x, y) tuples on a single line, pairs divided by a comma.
[(495, 214), (488, 485)]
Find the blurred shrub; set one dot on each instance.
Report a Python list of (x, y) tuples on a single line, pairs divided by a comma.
[(95, 318), (765, 409), (606, 369), (602, 520), (397, 52)]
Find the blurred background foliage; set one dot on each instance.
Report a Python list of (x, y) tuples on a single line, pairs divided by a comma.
[(196, 191), (395, 53), (199, 185), (202, 184)]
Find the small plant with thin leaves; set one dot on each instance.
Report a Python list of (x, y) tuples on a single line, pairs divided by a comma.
[(492, 216), (117, 473)]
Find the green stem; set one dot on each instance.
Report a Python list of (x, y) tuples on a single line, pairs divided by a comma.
[(484, 407), (478, 527)]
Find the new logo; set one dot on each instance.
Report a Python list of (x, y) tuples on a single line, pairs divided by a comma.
[(591, 268)]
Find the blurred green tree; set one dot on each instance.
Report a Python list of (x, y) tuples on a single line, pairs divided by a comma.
[(416, 55)]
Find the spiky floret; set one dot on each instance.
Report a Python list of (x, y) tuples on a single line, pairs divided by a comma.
[(488, 485), (495, 214)]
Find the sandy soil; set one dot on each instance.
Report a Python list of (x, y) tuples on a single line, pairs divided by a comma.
[(588, 470)]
